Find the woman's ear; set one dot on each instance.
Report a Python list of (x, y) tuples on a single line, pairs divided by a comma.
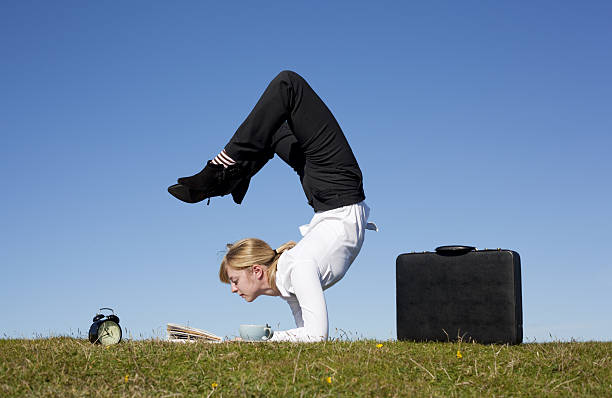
[(258, 271)]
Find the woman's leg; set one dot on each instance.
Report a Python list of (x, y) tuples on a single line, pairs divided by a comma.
[(333, 178), (288, 98), (285, 145)]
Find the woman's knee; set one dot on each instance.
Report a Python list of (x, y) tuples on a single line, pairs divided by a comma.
[(288, 76)]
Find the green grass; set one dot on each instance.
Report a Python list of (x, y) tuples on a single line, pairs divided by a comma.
[(73, 367)]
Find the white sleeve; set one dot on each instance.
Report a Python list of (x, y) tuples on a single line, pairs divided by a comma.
[(308, 307)]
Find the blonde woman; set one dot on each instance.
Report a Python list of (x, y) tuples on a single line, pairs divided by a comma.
[(290, 120)]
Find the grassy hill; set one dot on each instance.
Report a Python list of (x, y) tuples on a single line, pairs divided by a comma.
[(69, 367)]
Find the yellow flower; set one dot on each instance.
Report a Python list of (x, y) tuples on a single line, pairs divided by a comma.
[(126, 378), (214, 385), (459, 354), (328, 379), (378, 345)]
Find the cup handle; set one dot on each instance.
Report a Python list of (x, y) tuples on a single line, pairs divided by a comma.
[(269, 334)]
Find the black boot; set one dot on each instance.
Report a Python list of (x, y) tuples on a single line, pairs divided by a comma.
[(213, 180)]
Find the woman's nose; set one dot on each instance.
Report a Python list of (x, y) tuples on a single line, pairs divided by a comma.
[(234, 289)]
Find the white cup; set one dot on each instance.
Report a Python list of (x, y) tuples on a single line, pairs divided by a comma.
[(255, 332)]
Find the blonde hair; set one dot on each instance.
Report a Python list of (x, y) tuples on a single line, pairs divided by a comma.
[(247, 252)]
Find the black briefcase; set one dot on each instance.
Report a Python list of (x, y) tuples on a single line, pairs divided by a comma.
[(458, 292)]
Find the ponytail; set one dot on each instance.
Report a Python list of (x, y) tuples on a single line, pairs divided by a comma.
[(272, 268)]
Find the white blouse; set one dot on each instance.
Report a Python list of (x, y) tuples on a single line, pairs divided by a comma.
[(329, 245)]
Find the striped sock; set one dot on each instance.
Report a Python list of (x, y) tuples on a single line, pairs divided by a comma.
[(223, 159)]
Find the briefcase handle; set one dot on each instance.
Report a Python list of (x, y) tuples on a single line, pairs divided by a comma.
[(454, 250)]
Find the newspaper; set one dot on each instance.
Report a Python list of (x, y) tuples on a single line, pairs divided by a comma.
[(185, 334)]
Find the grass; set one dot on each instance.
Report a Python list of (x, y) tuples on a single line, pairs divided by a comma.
[(70, 367)]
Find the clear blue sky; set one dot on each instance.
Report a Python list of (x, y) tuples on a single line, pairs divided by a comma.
[(482, 123)]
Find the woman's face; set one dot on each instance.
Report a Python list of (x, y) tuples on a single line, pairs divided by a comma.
[(244, 282)]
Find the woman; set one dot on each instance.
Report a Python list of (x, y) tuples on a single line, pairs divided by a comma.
[(292, 121)]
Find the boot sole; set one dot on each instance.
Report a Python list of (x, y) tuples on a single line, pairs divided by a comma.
[(187, 195)]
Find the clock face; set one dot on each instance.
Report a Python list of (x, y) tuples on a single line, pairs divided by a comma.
[(109, 333)]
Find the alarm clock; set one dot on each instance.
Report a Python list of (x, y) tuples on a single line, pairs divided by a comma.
[(105, 329)]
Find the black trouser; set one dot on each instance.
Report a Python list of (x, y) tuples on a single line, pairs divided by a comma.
[(311, 141)]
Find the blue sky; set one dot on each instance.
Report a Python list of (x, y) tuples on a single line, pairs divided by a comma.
[(482, 123)]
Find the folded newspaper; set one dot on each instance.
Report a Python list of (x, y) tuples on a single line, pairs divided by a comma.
[(184, 334)]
